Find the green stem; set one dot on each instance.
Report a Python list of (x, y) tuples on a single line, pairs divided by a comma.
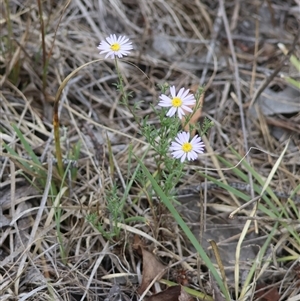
[(124, 96)]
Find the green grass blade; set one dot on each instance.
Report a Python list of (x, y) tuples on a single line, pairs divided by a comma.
[(240, 194), (26, 145), (244, 177), (258, 261), (292, 82), (266, 188), (186, 230), (13, 153)]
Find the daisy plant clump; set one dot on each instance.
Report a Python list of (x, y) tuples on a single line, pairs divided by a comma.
[(114, 47), (173, 146)]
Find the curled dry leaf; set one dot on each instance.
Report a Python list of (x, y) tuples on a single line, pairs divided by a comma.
[(151, 269), (138, 244), (173, 293), (170, 294), (267, 293)]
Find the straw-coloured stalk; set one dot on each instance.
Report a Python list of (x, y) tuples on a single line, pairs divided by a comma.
[(58, 151)]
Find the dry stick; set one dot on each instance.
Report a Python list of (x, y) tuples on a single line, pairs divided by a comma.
[(235, 15), (253, 75), (287, 273), (211, 47), (257, 198), (56, 29), (269, 220), (13, 189), (44, 61), (94, 271), (239, 98), (267, 81), (272, 13), (37, 221), (238, 88)]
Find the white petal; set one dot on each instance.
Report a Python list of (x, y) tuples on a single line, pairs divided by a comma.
[(180, 93), (110, 39), (196, 139), (186, 136), (184, 95), (183, 157), (180, 138), (192, 155), (188, 109), (165, 99), (122, 40), (171, 112), (180, 112), (109, 54), (178, 153), (189, 102), (173, 91), (175, 147)]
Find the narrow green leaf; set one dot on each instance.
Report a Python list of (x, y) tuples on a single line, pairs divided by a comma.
[(186, 230), (26, 145)]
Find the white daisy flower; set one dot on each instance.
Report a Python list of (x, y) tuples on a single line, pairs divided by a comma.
[(114, 46), (179, 103), (183, 148)]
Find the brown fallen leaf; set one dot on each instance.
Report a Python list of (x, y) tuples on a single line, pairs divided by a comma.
[(267, 293), (173, 293), (138, 244), (151, 269), (170, 294), (196, 114)]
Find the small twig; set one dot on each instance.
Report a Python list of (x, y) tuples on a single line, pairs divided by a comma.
[(244, 206), (211, 47), (267, 81), (268, 220), (235, 15), (238, 89), (45, 62), (253, 75)]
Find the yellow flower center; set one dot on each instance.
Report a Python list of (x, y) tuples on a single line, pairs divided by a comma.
[(176, 102), (187, 147), (115, 47)]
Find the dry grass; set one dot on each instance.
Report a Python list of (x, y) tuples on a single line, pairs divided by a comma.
[(231, 49)]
